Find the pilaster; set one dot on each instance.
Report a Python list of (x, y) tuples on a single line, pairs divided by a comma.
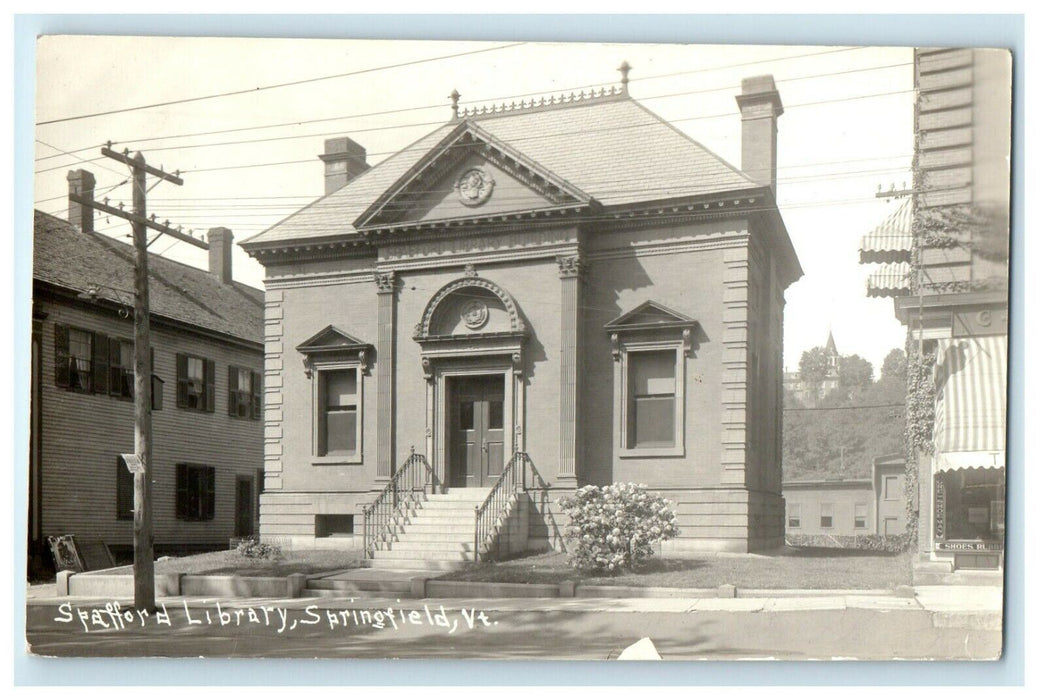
[(570, 312), (385, 368), (273, 370), (736, 334)]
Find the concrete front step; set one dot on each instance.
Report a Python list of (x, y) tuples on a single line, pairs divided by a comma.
[(431, 518), (407, 563), (456, 530), (426, 550), (434, 536)]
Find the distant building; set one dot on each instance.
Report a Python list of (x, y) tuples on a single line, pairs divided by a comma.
[(823, 509), (207, 390), (943, 257), (809, 393)]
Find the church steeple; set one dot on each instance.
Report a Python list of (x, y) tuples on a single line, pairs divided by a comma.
[(829, 347)]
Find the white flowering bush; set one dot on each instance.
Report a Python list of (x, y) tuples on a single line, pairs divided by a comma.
[(615, 527), (251, 548)]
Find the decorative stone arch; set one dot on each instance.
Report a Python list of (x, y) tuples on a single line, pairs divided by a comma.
[(456, 343), (424, 330)]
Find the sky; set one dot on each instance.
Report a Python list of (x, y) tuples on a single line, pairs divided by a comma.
[(249, 159)]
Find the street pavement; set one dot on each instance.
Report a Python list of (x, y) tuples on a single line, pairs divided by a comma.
[(938, 622)]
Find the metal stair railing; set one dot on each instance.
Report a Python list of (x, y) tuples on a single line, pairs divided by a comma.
[(498, 503), (407, 485)]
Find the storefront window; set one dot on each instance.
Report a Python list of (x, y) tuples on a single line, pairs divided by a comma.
[(974, 504)]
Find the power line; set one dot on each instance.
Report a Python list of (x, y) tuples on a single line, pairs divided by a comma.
[(232, 93), (544, 136), (311, 197), (409, 125), (104, 167), (516, 140), (240, 211), (486, 100)]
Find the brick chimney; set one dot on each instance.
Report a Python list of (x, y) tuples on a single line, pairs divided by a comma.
[(220, 253), (760, 106), (81, 182), (343, 159)]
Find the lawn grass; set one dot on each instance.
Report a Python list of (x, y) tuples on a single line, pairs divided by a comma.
[(229, 562), (786, 568)]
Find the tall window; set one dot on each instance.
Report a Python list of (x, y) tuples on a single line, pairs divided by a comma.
[(339, 413), (652, 399), (826, 515), (891, 488), (245, 393), (195, 383), (860, 516), (75, 360), (795, 514), (121, 368), (194, 496)]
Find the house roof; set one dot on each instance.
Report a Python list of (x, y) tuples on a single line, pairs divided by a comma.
[(612, 149), (67, 258)]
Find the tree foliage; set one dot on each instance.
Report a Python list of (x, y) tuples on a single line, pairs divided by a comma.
[(855, 372), (813, 365), (840, 435), (895, 365)]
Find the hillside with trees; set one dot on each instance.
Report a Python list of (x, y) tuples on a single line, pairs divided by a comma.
[(839, 435)]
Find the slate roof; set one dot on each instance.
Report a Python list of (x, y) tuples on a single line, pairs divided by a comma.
[(66, 257), (615, 150)]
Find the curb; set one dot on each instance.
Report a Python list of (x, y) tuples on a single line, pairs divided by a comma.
[(296, 585)]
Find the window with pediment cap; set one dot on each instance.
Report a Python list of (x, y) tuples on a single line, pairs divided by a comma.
[(650, 345), (336, 362)]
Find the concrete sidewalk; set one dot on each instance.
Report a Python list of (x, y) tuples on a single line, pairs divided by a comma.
[(947, 602)]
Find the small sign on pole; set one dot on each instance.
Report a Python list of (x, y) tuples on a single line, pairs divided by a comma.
[(133, 463)]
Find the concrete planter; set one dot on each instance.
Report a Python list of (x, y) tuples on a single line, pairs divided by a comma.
[(122, 586)]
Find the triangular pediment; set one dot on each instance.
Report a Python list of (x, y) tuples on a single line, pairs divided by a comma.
[(470, 175), (650, 315), (332, 339)]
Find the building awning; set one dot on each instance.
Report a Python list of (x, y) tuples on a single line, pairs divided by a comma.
[(890, 241), (890, 280), (970, 411)]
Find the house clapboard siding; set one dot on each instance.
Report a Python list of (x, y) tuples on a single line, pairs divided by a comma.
[(81, 281)]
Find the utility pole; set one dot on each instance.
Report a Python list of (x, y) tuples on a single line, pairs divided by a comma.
[(144, 578)]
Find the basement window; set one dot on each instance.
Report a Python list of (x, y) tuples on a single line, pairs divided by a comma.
[(334, 525)]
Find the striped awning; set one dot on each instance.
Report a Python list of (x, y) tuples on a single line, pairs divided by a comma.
[(970, 411), (890, 241), (890, 280)]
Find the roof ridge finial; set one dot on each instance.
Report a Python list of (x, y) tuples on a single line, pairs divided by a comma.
[(624, 68), (454, 97)]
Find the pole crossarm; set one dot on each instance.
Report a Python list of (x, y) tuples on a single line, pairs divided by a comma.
[(155, 172), (136, 219)]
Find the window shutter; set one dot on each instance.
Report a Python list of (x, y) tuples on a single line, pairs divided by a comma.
[(182, 363), (155, 383), (256, 395), (181, 501), (61, 355), (234, 377), (115, 369), (207, 497), (208, 385), (124, 492), (99, 363)]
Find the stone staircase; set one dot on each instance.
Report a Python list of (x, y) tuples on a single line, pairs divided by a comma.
[(437, 534)]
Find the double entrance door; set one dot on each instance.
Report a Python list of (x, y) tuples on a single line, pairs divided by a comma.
[(476, 427)]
